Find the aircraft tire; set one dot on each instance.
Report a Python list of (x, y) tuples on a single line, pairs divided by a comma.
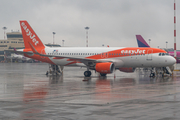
[(152, 75), (102, 74), (87, 73)]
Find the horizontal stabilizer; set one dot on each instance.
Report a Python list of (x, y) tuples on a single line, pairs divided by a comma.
[(20, 52)]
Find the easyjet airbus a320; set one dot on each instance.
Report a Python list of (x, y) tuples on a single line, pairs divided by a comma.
[(101, 59)]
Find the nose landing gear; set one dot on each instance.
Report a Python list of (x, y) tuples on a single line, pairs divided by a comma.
[(152, 75), (87, 73)]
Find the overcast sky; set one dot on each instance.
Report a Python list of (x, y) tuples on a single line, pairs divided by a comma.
[(112, 22)]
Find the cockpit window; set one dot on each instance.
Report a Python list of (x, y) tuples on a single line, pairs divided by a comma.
[(163, 54)]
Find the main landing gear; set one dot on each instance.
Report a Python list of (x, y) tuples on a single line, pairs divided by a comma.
[(152, 74), (103, 74), (88, 74)]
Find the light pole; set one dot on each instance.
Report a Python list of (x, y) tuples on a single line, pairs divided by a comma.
[(87, 28), (149, 41), (53, 36), (166, 44), (4, 28), (63, 42)]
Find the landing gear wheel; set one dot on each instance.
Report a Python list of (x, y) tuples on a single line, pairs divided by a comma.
[(87, 73), (152, 75), (102, 74)]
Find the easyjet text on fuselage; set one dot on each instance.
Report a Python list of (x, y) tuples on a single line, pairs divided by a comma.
[(138, 51)]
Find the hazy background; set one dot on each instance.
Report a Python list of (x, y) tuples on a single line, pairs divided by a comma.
[(113, 23)]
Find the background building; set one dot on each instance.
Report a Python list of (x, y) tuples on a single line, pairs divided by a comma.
[(14, 40)]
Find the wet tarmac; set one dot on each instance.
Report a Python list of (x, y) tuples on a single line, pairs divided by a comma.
[(27, 93)]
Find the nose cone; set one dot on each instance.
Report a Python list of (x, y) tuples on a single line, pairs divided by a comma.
[(172, 61)]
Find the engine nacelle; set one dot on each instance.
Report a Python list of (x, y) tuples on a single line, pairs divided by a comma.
[(104, 68), (128, 69)]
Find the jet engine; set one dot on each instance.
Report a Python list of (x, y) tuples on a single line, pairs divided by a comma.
[(104, 68), (128, 69)]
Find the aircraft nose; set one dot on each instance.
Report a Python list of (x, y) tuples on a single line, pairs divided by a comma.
[(172, 61)]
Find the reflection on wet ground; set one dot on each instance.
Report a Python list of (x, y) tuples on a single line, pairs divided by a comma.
[(27, 93)]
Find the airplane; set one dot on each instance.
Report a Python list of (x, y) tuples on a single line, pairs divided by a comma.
[(103, 60), (142, 43), (19, 57)]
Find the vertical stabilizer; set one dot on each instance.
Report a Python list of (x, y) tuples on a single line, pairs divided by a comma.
[(141, 42), (30, 36)]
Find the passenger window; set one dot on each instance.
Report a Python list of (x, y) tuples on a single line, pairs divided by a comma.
[(159, 54), (163, 54)]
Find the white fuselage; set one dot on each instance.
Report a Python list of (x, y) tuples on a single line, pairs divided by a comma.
[(120, 59)]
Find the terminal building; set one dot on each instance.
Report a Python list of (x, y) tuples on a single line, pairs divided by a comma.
[(14, 40)]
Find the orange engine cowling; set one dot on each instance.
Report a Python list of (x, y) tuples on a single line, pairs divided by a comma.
[(104, 68), (128, 69)]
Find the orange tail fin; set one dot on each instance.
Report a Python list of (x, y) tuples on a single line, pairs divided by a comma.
[(30, 36)]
